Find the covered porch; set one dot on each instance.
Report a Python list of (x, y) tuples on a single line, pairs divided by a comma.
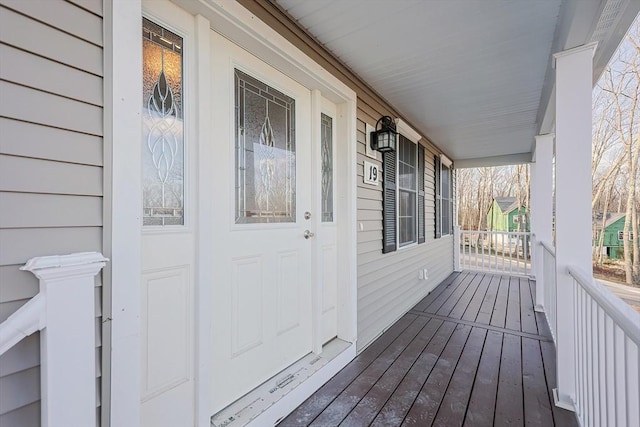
[(472, 352), (473, 83)]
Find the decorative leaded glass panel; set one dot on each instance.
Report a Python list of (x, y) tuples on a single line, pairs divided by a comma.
[(163, 127), (326, 149), (265, 153)]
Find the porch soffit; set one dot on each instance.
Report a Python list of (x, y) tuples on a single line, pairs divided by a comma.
[(476, 78)]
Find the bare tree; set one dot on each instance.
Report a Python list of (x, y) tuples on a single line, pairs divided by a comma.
[(620, 86)]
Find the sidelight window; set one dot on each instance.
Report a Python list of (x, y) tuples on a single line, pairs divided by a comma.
[(163, 126)]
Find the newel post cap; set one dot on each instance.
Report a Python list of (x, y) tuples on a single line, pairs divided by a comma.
[(55, 266)]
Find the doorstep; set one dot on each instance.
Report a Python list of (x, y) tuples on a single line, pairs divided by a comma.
[(271, 401)]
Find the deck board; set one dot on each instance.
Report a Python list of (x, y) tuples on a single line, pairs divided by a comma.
[(450, 282), (465, 299), (509, 402), (450, 294), (314, 405), (454, 404), (396, 408), (428, 400), (366, 410), (512, 320), (527, 315), (350, 396), (472, 310), (489, 301), (537, 405), (473, 352), (499, 314), (455, 297), (481, 408)]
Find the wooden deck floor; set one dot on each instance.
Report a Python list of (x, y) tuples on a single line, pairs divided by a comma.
[(473, 353)]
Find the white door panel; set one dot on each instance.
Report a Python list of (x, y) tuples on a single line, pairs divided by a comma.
[(169, 208), (327, 225)]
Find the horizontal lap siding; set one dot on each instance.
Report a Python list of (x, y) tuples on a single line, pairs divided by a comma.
[(388, 284), (51, 127)]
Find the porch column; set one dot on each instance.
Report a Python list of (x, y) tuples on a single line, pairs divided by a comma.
[(541, 208), (574, 78)]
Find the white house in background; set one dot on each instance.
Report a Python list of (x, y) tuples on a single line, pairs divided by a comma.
[(218, 154)]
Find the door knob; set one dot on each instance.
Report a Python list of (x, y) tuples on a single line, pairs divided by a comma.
[(308, 234)]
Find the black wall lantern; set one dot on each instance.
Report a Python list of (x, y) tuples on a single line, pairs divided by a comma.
[(384, 138)]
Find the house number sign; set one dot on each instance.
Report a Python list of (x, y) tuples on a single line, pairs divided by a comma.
[(371, 173)]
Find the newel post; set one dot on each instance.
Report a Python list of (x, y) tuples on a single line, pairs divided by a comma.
[(574, 82), (67, 342)]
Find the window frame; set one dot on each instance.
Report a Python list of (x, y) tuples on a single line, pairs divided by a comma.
[(441, 161), (414, 191), (621, 235), (448, 200)]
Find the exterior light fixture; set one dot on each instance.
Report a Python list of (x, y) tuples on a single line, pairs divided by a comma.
[(384, 138)]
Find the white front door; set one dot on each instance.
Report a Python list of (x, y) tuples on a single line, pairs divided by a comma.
[(262, 310)]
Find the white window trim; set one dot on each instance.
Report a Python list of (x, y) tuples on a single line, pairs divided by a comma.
[(407, 131), (621, 235), (400, 246), (445, 162)]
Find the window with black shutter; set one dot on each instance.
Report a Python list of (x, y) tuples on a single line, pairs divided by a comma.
[(403, 212)]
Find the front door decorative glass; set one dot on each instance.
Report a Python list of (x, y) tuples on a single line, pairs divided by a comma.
[(265, 153), (326, 151), (163, 127)]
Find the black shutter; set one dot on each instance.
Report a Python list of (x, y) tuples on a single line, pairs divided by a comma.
[(389, 231), (438, 199), (421, 229)]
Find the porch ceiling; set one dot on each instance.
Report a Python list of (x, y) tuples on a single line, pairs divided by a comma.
[(474, 77)]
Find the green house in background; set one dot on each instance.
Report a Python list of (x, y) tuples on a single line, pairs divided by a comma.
[(613, 242), (506, 214)]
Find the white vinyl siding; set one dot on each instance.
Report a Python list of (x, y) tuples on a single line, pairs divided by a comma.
[(51, 178), (388, 284)]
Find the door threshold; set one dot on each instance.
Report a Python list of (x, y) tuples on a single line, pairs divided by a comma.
[(274, 399)]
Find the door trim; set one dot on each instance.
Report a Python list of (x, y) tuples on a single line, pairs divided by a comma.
[(122, 210)]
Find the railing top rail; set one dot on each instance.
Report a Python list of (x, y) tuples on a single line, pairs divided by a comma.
[(513, 233), (548, 247), (624, 316)]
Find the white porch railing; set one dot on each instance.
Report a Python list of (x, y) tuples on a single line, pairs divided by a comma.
[(503, 252), (64, 312), (549, 281), (607, 340), (606, 335)]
